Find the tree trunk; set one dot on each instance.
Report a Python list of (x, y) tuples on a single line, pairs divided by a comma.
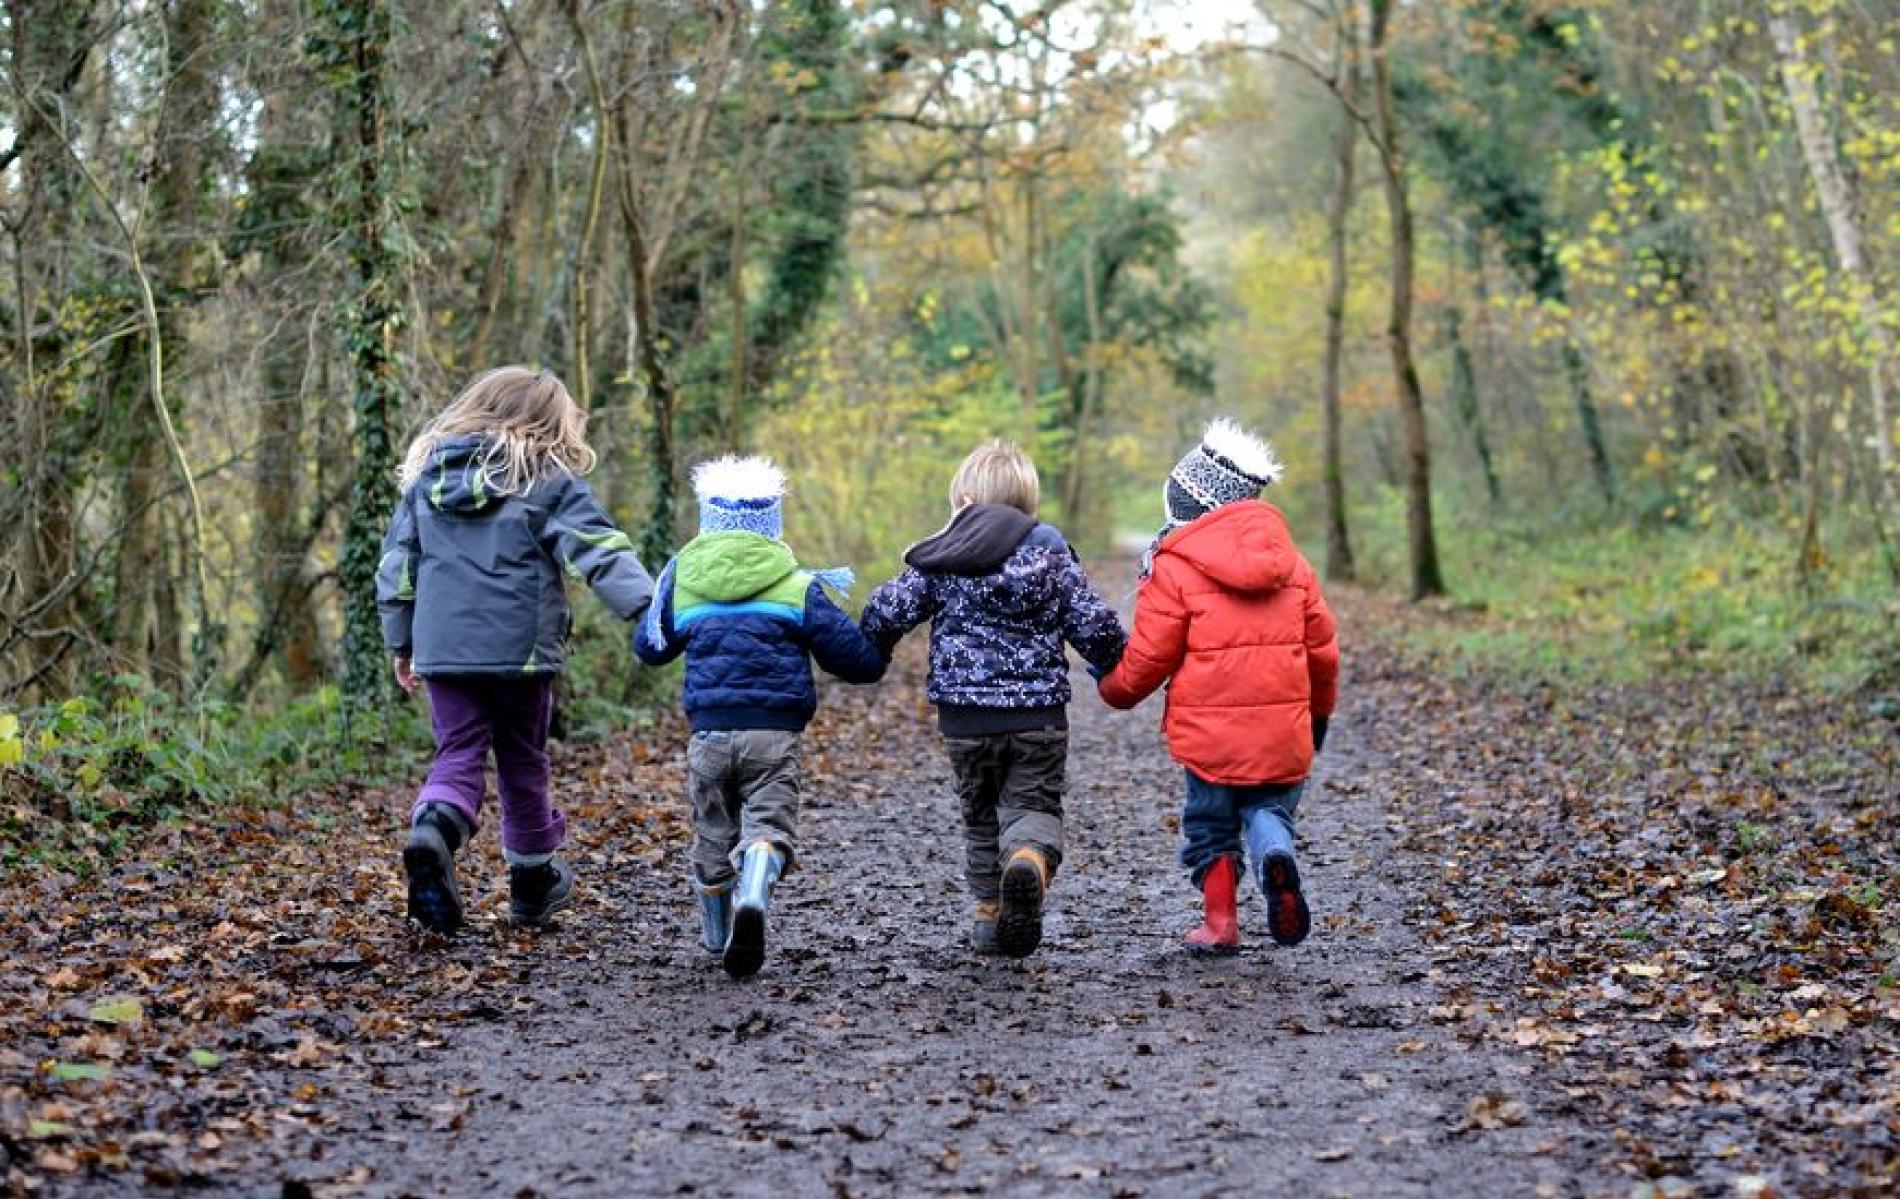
[(658, 539), (663, 526), (1427, 578), (138, 458), (137, 563), (279, 175), (1088, 388), (581, 279), (363, 31), (1464, 396), (52, 41), (1339, 563), (732, 422), (174, 549), (1577, 371), (1464, 375), (1837, 208), (727, 47), (517, 198), (176, 208)]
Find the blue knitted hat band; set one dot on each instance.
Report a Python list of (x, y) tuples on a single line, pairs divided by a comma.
[(766, 517)]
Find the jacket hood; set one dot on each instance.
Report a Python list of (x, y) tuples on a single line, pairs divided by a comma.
[(1243, 547), (978, 540), (455, 481), (733, 566)]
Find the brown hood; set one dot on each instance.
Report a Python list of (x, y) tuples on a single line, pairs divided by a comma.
[(1243, 547)]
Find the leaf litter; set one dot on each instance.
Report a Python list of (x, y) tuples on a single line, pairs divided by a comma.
[(1670, 906)]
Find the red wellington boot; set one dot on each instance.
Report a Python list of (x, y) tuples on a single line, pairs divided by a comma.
[(1220, 924)]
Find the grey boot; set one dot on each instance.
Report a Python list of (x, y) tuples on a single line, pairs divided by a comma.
[(715, 915), (745, 951)]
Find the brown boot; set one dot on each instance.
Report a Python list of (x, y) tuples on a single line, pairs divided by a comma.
[(983, 927), (1019, 923)]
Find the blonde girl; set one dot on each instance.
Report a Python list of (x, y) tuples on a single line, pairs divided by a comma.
[(493, 515)]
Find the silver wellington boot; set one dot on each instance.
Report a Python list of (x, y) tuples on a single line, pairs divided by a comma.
[(715, 915), (745, 950)]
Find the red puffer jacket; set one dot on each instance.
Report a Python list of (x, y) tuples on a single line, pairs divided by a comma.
[(1234, 614)]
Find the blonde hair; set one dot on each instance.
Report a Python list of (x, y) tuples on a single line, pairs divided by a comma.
[(997, 472), (532, 424)]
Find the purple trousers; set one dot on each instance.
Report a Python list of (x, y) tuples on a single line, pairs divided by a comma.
[(473, 714)]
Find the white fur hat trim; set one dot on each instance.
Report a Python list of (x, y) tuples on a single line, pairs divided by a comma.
[(736, 478), (1254, 457)]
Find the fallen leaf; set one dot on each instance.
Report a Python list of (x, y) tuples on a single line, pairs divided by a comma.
[(55, 1161), (122, 1010), (1494, 1111), (78, 1072)]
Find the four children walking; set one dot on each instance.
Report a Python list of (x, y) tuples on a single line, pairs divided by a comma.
[(494, 513)]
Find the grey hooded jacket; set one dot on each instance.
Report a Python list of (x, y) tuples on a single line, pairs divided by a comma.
[(471, 581)]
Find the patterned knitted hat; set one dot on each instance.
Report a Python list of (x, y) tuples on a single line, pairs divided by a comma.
[(740, 494), (1230, 465)]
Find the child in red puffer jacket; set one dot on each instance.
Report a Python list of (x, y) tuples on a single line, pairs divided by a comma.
[(1232, 613)]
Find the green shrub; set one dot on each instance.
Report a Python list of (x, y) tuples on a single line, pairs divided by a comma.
[(606, 688), (80, 778), (1606, 596)]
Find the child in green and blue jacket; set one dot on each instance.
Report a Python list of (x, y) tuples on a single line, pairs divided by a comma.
[(750, 622)]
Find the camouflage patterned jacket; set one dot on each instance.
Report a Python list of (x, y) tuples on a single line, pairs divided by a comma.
[(1002, 593)]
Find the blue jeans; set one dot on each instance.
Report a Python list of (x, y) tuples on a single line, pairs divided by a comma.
[(1217, 819)]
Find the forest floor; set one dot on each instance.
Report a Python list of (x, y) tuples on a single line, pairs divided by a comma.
[(1585, 942)]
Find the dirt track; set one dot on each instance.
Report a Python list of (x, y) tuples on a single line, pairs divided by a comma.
[(1549, 959), (875, 1056)]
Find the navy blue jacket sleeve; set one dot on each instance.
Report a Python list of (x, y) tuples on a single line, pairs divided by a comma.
[(898, 607), (1088, 623), (656, 641), (836, 643)]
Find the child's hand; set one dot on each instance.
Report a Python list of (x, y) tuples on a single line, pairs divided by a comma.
[(405, 676)]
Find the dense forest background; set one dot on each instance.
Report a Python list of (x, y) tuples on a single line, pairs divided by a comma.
[(1579, 312)]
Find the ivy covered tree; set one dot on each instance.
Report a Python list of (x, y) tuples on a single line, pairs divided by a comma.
[(350, 47)]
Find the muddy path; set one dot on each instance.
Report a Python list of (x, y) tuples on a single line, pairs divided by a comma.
[(876, 1056), (296, 1039), (1569, 941)]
